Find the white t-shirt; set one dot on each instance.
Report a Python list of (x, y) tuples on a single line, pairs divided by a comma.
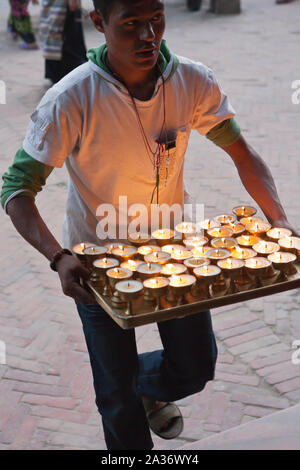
[(87, 121)]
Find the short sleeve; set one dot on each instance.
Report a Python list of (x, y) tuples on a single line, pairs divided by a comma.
[(53, 131), (212, 106)]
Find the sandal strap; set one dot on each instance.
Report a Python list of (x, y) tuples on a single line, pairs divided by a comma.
[(158, 418)]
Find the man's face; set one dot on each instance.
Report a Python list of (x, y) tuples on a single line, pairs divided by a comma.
[(134, 32)]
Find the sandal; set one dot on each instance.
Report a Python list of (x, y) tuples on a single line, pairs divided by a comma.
[(164, 419), (28, 46)]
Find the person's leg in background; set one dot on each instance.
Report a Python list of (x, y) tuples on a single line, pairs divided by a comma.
[(114, 362), (19, 24)]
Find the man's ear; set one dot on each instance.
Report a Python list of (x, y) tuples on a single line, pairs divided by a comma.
[(98, 20)]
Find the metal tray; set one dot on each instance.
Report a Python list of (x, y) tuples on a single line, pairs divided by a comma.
[(144, 313)]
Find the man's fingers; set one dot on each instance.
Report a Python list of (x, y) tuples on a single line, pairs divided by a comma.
[(83, 272), (79, 294)]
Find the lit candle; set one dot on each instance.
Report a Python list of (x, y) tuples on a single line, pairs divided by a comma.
[(110, 246), (184, 280), (265, 248), (78, 250), (105, 263), (149, 269), (208, 224), (284, 262), (156, 283), (180, 255), (249, 220), (119, 273), (215, 254), (138, 238), (248, 240), (243, 253), (289, 243), (156, 288), (225, 218), (94, 252), (261, 268), (244, 211), (80, 247), (147, 249), (223, 242), (218, 232), (192, 242), (282, 257), (124, 252), (131, 264), (258, 227), (231, 264), (237, 228), (257, 263), (170, 248), (208, 272), (193, 263), (99, 269), (173, 268), (160, 257), (186, 228), (163, 236), (126, 288), (277, 233), (200, 251)]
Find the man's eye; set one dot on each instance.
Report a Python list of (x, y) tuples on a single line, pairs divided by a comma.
[(130, 23), (157, 18)]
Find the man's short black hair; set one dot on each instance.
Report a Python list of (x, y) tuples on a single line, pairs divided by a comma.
[(104, 7)]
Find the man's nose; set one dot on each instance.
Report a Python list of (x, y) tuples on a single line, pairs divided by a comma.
[(147, 32)]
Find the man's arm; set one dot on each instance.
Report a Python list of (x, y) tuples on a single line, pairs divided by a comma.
[(30, 225), (258, 181)]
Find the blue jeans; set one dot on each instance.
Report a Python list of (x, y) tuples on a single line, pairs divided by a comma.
[(121, 376)]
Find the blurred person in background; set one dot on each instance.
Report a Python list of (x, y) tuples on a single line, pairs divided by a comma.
[(19, 24), (62, 38)]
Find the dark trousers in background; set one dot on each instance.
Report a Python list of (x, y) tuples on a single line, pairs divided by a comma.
[(73, 51), (121, 376)]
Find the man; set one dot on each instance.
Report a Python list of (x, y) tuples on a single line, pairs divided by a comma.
[(112, 121)]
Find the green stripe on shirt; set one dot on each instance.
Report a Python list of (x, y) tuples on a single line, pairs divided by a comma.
[(225, 133), (26, 177)]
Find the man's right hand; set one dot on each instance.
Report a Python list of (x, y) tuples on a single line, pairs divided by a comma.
[(70, 270)]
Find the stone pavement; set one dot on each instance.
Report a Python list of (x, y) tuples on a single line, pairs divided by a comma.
[(46, 392)]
